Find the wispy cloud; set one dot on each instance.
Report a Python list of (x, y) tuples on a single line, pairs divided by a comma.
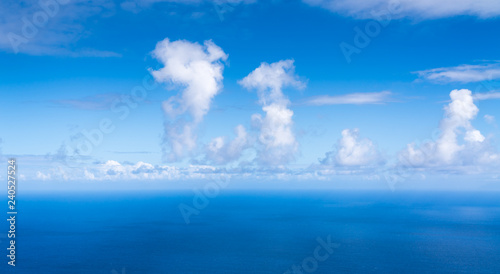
[(138, 5), (462, 73), (94, 102), (352, 98), (51, 27), (487, 96), (490, 119), (410, 8)]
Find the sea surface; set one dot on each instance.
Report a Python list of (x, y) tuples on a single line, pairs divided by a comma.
[(257, 232)]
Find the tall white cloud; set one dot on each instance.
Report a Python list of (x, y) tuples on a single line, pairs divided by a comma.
[(458, 114), (276, 133), (351, 150), (410, 8), (459, 143), (197, 70)]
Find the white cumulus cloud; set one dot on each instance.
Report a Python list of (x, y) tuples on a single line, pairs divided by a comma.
[(221, 152), (459, 143), (197, 70), (276, 133), (351, 150)]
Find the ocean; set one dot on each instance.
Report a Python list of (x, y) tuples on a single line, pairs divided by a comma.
[(257, 232)]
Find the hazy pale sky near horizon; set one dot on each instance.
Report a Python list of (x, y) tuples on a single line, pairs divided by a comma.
[(384, 92)]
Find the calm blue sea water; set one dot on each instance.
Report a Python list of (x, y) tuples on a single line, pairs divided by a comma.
[(269, 232)]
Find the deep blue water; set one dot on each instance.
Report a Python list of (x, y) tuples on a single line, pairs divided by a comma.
[(266, 232)]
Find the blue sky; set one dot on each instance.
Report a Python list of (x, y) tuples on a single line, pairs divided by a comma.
[(253, 90)]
